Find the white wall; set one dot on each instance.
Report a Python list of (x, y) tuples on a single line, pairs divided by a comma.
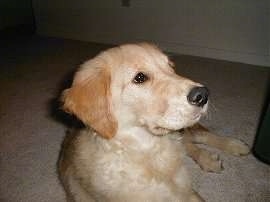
[(235, 30)]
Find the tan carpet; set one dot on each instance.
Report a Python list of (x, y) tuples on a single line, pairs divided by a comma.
[(34, 69)]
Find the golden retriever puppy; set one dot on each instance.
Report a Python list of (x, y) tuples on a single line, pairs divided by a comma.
[(133, 105)]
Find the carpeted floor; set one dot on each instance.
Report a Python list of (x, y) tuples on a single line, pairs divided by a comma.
[(35, 69)]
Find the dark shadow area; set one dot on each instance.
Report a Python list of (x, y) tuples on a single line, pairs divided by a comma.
[(55, 105), (261, 146), (17, 31)]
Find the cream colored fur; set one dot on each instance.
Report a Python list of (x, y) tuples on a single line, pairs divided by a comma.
[(127, 151)]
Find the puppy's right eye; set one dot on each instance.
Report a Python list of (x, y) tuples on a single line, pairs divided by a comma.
[(140, 78)]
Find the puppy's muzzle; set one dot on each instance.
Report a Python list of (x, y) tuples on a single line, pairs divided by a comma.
[(198, 96)]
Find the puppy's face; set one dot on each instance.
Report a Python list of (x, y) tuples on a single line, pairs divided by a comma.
[(147, 92), (134, 85)]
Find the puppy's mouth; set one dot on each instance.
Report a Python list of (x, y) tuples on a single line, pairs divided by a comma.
[(160, 130)]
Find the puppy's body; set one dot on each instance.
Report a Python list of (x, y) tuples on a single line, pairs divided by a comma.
[(132, 104), (117, 170)]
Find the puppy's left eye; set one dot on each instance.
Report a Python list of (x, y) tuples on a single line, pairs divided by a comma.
[(140, 78)]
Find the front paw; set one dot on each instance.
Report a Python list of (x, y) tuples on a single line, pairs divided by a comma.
[(210, 162), (237, 147)]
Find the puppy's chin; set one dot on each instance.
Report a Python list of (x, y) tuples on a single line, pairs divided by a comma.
[(162, 131), (153, 128), (159, 131)]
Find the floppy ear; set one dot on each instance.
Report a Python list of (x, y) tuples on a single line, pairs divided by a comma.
[(89, 100)]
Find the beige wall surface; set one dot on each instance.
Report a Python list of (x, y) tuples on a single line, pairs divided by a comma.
[(235, 30)]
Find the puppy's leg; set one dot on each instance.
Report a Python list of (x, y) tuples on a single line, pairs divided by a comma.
[(232, 146), (195, 197), (74, 191), (208, 161)]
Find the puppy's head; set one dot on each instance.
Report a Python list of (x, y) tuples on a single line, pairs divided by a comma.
[(134, 85)]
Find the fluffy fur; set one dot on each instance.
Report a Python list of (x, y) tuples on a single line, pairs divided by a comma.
[(129, 150)]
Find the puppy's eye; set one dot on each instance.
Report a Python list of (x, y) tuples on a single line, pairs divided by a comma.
[(140, 78)]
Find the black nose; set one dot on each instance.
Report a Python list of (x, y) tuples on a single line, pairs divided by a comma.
[(198, 96)]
